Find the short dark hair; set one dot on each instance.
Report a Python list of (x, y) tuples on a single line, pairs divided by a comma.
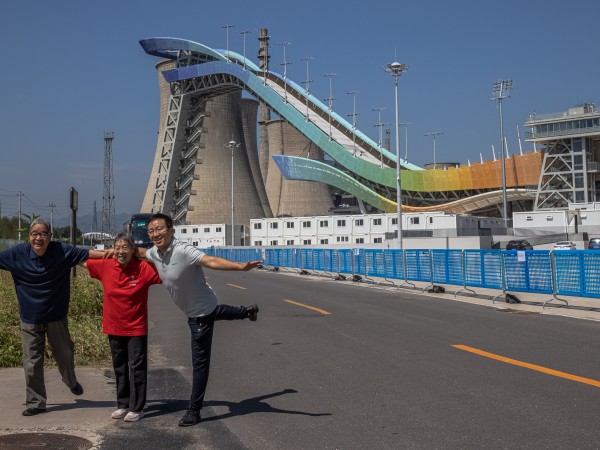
[(167, 219)]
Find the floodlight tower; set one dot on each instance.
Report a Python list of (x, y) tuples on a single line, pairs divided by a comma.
[(108, 198), (396, 69), (500, 91)]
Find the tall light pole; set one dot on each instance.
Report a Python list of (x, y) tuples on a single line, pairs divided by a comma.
[(227, 27), (353, 115), (284, 64), (405, 125), (330, 99), (379, 125), (500, 91), (307, 59), (232, 145), (434, 134), (396, 69), (244, 33)]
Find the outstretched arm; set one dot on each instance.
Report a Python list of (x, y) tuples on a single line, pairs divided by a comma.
[(216, 263)]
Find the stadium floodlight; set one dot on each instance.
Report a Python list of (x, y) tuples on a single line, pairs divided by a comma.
[(434, 134), (500, 91)]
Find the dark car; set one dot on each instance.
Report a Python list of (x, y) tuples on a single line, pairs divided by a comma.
[(594, 244), (519, 244)]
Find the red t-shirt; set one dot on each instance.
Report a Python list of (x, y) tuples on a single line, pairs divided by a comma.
[(125, 294)]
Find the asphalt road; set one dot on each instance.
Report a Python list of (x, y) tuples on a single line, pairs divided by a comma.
[(370, 368)]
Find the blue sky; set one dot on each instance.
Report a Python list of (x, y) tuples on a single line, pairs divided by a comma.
[(73, 70)]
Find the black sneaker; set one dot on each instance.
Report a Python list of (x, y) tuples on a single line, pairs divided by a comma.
[(191, 417), (33, 411), (252, 312), (77, 390)]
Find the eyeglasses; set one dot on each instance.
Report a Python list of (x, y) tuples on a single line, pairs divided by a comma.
[(40, 235), (156, 230), (124, 248)]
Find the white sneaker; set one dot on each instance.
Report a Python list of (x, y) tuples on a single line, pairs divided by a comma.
[(119, 413), (133, 416)]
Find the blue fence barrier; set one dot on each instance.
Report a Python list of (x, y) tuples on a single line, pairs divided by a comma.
[(569, 272)]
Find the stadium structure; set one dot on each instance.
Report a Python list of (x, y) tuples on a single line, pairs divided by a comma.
[(309, 147)]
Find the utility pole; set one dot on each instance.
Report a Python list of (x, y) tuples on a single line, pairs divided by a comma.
[(51, 206), (20, 195)]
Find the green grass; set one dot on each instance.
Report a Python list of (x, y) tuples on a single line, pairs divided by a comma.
[(85, 323)]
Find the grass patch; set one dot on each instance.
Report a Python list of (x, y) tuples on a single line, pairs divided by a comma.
[(85, 323)]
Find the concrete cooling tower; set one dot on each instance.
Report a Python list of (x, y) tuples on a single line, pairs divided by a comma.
[(288, 197), (191, 175)]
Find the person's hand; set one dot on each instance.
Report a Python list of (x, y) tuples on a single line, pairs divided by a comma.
[(251, 265), (109, 253)]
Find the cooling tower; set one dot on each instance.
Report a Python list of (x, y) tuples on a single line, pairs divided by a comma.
[(191, 174), (289, 197)]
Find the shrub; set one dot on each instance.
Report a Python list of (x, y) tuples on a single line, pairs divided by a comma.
[(85, 323)]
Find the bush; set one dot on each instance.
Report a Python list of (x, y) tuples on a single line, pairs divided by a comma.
[(85, 323)]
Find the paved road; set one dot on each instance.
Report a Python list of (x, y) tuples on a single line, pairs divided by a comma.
[(373, 368), (342, 366)]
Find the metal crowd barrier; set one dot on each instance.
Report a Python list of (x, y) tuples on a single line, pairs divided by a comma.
[(563, 272)]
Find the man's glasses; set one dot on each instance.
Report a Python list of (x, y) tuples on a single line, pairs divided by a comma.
[(124, 248), (156, 230), (40, 235)]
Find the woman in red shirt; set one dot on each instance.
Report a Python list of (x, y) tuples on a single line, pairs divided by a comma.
[(126, 281)]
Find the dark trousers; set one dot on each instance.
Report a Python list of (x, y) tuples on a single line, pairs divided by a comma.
[(201, 329), (33, 337), (130, 362)]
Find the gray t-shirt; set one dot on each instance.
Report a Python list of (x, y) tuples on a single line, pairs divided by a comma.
[(183, 278)]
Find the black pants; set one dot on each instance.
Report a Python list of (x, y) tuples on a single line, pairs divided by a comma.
[(202, 332), (130, 362)]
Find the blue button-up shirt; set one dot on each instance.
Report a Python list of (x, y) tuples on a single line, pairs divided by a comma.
[(42, 282)]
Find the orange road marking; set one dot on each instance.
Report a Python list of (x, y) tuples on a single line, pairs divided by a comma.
[(542, 369), (322, 311), (236, 286)]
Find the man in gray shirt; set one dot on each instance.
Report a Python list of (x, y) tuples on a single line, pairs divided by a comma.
[(180, 266)]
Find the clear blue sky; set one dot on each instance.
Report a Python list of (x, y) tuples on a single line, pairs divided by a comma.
[(74, 69)]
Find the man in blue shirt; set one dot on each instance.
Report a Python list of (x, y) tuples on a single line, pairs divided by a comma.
[(40, 271)]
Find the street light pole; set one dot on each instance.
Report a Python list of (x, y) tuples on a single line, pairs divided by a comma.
[(354, 114), (405, 125), (330, 99), (396, 69), (500, 91), (244, 33), (307, 82), (227, 27), (285, 63), (232, 145), (434, 134)]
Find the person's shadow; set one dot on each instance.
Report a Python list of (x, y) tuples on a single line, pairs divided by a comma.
[(248, 406), (256, 405)]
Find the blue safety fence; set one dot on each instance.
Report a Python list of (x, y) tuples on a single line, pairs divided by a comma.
[(568, 272), (529, 271), (577, 273)]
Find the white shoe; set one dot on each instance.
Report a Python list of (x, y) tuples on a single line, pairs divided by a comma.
[(119, 413), (133, 416)]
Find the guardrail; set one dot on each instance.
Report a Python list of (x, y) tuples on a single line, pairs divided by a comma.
[(562, 272)]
